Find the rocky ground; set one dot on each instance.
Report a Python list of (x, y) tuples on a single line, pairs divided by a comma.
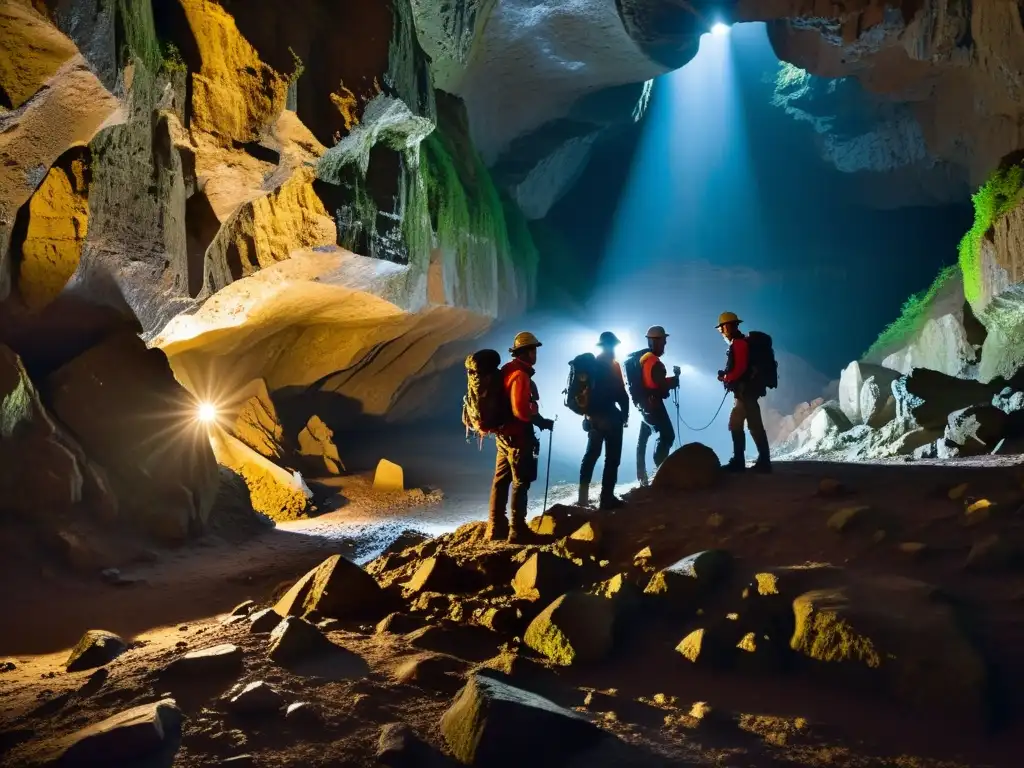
[(903, 651)]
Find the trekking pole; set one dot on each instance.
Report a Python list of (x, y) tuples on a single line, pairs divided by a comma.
[(547, 476), (675, 399)]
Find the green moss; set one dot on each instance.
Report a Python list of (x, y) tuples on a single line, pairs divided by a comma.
[(172, 60), (140, 36), (470, 215), (912, 317), (298, 67), (1003, 192)]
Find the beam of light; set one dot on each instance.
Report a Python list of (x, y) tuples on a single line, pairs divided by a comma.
[(206, 413), (720, 29)]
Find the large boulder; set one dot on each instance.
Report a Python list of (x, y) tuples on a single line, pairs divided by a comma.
[(851, 386), (45, 473), (976, 430), (894, 634), (497, 725), (819, 432), (96, 648), (691, 467), (933, 396), (338, 589), (683, 582), (124, 406), (257, 424), (316, 445), (575, 628)]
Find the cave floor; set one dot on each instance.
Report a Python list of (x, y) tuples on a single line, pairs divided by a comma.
[(778, 520)]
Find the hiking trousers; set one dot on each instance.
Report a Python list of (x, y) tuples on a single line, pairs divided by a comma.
[(605, 432), (746, 411), (515, 468), (660, 423)]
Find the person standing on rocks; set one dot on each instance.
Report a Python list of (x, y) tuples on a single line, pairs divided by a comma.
[(607, 418), (649, 387), (515, 467), (741, 378)]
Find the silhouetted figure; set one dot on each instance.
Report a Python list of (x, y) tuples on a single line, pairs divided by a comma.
[(747, 383), (607, 418), (650, 386)]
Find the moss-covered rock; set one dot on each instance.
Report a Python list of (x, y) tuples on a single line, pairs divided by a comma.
[(679, 586), (575, 628), (893, 634)]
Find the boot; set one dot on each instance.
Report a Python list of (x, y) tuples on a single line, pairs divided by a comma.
[(610, 502), (519, 532), (584, 498), (497, 528), (764, 455), (738, 462)]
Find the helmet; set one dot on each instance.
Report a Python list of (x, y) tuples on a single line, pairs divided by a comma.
[(524, 340), (728, 317), (656, 332), (608, 339)]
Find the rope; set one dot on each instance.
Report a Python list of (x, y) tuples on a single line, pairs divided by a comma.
[(701, 429)]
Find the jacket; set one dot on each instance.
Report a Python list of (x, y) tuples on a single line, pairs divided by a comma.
[(517, 377), (737, 363), (609, 389)]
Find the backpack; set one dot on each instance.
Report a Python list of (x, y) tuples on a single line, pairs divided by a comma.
[(764, 369), (485, 408), (580, 386), (635, 379)]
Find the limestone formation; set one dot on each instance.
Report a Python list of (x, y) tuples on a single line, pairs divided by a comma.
[(316, 441)]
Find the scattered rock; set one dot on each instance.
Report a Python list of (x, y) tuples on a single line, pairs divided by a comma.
[(399, 624), (915, 549), (977, 512), (7, 666), (256, 698), (227, 621), (243, 609), (991, 553), (497, 725), (134, 734), (389, 477), (96, 648), (829, 487), (301, 712), (847, 518), (958, 491), (681, 583), (294, 639), (937, 395), (715, 645), (337, 589), (399, 747), (439, 573), (432, 671), (503, 619), (263, 622), (544, 576), (575, 628), (892, 633), (715, 520), (223, 659), (625, 596), (691, 467), (558, 521)]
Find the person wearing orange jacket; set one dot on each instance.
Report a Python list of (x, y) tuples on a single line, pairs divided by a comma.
[(515, 466), (739, 378), (657, 385)]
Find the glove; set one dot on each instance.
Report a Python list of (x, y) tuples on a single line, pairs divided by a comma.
[(546, 424), (721, 375), (676, 370)]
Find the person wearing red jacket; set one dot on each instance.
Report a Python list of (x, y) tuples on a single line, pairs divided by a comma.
[(515, 466), (740, 379), (656, 386)]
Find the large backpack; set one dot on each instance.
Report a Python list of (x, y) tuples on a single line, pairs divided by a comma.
[(579, 389), (764, 369), (635, 379), (486, 407)]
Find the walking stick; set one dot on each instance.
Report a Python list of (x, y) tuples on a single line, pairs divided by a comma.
[(547, 476), (675, 399)]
